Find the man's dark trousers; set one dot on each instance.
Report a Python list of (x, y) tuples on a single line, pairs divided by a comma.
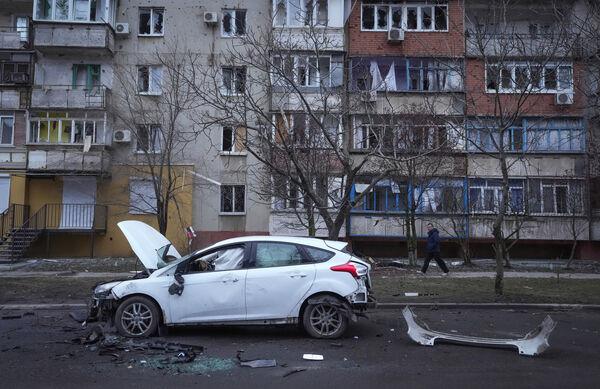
[(438, 259)]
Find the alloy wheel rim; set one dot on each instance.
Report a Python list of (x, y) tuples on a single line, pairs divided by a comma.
[(136, 318), (326, 319)]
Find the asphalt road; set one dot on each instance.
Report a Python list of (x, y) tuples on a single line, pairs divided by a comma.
[(36, 351)]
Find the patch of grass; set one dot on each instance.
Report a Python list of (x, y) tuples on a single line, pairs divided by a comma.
[(46, 289), (481, 290)]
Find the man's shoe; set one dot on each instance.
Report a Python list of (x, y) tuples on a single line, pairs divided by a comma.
[(445, 274), (419, 272)]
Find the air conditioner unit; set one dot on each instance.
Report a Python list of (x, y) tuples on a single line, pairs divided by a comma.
[(395, 34), (19, 78), (564, 98), (122, 136), (211, 18), (122, 29), (368, 96)]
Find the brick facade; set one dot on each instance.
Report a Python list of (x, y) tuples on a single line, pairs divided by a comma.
[(481, 103), (418, 44)]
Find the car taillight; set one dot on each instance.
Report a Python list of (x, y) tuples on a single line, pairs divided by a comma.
[(348, 268)]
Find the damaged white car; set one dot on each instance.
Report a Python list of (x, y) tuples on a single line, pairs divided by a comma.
[(248, 280)]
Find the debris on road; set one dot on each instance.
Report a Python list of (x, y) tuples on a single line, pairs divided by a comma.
[(256, 363), (312, 357), (11, 317), (78, 317), (532, 344), (336, 345), (294, 371)]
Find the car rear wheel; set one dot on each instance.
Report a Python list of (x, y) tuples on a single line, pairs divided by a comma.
[(324, 319), (137, 317)]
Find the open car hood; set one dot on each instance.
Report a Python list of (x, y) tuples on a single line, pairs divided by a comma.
[(146, 242)]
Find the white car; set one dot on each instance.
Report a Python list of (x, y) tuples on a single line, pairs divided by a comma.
[(247, 280)]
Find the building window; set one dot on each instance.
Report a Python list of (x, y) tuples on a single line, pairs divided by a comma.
[(521, 76), (151, 21), (14, 73), (485, 196), (440, 196), (66, 128), (233, 199), (555, 197), (142, 197), (148, 138), (232, 139), (22, 25), (233, 23), (530, 135), (149, 79), (312, 131), (406, 74), (307, 71), (234, 80), (7, 124), (300, 13), (74, 10), (413, 17)]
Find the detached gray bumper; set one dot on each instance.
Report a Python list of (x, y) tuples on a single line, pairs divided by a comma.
[(532, 344)]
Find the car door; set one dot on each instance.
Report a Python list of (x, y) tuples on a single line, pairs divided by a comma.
[(212, 294), (279, 276)]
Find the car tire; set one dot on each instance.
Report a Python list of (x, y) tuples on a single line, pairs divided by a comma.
[(324, 319), (137, 317)]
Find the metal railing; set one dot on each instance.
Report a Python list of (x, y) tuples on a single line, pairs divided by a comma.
[(68, 96), (65, 217), (14, 217)]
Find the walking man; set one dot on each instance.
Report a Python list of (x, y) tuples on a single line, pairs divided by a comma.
[(433, 250)]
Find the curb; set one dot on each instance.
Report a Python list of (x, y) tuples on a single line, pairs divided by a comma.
[(489, 306)]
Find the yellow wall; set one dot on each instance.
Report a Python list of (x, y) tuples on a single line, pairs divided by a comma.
[(114, 193)]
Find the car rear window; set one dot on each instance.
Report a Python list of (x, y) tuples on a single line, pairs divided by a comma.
[(318, 255)]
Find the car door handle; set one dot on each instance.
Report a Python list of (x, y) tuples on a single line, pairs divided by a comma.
[(232, 280), (297, 275)]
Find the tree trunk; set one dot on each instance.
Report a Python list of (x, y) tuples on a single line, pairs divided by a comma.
[(466, 252), (411, 241), (312, 228), (572, 254)]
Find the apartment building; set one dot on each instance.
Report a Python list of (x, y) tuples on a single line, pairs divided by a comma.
[(82, 81)]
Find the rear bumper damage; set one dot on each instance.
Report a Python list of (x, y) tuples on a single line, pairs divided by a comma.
[(532, 344)]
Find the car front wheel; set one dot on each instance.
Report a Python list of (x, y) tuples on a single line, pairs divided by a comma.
[(324, 319), (137, 317)]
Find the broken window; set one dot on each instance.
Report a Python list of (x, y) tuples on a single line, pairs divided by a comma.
[(149, 79), (234, 80), (233, 23), (231, 258), (142, 197), (485, 196), (151, 21), (148, 138), (555, 197), (521, 76), (66, 128), (79, 10), (233, 198)]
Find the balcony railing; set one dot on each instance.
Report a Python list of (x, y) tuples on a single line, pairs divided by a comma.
[(15, 38), (68, 96), (49, 36), (14, 217), (68, 217), (13, 99)]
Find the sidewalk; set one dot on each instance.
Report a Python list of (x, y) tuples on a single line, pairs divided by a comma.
[(409, 274)]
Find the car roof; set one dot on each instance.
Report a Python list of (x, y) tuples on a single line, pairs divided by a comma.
[(313, 242)]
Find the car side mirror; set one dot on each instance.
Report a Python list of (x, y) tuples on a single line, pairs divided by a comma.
[(176, 287)]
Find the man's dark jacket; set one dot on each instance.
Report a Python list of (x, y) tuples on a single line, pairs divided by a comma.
[(433, 241)]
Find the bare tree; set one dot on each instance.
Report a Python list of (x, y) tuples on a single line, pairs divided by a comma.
[(516, 67), (286, 89), (576, 226), (153, 101)]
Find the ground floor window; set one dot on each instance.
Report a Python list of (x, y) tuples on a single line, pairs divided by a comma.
[(142, 197), (233, 199)]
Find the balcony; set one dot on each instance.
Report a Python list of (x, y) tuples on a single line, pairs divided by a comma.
[(71, 159), (11, 99), (91, 38), (68, 97), (14, 38), (13, 158)]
